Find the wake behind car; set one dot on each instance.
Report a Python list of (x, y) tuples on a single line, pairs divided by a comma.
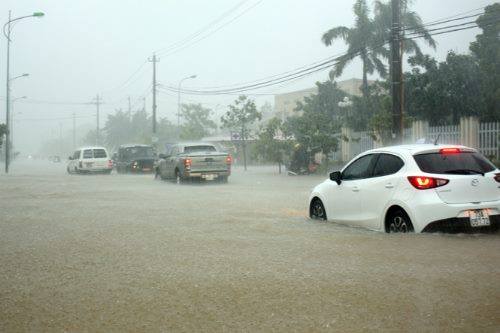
[(90, 160), (421, 188), (135, 158), (188, 161)]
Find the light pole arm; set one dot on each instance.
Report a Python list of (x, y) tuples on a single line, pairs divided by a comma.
[(7, 35)]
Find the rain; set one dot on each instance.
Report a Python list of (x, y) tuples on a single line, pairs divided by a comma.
[(158, 162)]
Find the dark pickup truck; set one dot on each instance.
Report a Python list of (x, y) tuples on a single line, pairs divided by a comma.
[(134, 158), (189, 161)]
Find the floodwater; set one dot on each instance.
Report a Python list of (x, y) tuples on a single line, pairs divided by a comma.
[(128, 253)]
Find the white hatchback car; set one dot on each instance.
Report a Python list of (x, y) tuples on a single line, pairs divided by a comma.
[(90, 160), (421, 188)]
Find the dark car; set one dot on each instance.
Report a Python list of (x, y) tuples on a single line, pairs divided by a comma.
[(135, 158)]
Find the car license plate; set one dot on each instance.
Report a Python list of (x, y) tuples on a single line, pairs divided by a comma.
[(146, 169), (209, 177), (479, 218)]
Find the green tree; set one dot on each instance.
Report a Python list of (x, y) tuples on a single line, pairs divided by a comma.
[(240, 116), (90, 139), (486, 50), (273, 143), (318, 120), (361, 41), (410, 21), (118, 128), (3, 131), (444, 91), (197, 122)]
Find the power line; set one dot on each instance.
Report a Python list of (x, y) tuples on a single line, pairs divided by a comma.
[(324, 65), (202, 30), (165, 53)]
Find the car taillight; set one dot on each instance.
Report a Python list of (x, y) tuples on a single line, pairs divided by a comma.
[(110, 163), (447, 151), (229, 159), (497, 177), (187, 163), (425, 183)]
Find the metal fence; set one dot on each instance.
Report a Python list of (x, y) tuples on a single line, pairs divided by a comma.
[(489, 137), (488, 140), (447, 134)]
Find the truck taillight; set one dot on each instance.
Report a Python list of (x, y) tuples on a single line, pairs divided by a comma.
[(425, 183), (187, 163), (229, 159)]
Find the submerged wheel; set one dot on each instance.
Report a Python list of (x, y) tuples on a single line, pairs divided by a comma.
[(398, 221), (317, 210)]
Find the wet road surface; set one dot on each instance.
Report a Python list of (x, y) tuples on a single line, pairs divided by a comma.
[(128, 253)]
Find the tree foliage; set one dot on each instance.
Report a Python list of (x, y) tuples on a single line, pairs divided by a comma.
[(486, 50), (3, 131), (197, 122), (443, 92), (274, 143), (361, 41), (318, 119), (240, 116)]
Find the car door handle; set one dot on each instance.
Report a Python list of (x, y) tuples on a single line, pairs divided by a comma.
[(389, 185), (355, 189)]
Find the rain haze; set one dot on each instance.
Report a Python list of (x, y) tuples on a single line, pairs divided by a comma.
[(92, 47), (307, 166)]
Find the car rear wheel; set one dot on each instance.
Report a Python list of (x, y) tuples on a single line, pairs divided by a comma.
[(317, 210), (399, 222)]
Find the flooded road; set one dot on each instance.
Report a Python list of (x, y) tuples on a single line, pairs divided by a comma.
[(128, 253)]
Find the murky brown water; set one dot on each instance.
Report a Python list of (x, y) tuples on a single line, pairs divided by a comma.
[(126, 253)]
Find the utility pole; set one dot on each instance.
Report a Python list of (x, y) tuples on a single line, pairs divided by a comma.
[(396, 73), (7, 99), (60, 140), (129, 106), (97, 102), (74, 131), (154, 60), (402, 81)]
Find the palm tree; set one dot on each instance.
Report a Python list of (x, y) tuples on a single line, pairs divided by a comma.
[(411, 24), (360, 40)]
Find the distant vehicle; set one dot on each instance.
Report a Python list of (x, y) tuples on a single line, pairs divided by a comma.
[(189, 161), (90, 160), (54, 159), (134, 158), (421, 188)]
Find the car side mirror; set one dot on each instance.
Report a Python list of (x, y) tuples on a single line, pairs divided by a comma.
[(70, 158), (336, 177), (162, 156)]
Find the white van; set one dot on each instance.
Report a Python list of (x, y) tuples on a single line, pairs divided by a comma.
[(90, 160)]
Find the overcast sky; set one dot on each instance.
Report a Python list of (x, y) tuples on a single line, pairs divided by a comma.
[(88, 47)]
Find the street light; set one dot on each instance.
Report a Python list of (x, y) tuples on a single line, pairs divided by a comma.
[(17, 77), (179, 100), (7, 30)]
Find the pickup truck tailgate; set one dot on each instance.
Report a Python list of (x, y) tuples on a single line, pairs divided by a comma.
[(208, 162)]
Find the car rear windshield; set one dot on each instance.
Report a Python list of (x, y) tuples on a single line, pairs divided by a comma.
[(464, 163), (197, 149), (100, 153), (138, 152)]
